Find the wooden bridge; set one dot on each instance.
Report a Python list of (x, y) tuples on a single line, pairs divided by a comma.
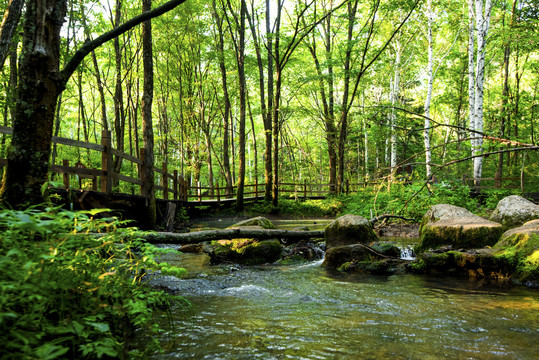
[(86, 187)]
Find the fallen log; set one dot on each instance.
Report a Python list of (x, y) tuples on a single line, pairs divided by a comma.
[(237, 233)]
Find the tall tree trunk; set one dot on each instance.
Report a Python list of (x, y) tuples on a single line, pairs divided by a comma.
[(276, 107), (346, 98), (268, 124), (148, 188), (7, 29), (430, 75), (28, 158), (328, 116), (119, 113), (393, 117), (226, 99), (482, 15), (506, 116), (241, 135), (471, 71)]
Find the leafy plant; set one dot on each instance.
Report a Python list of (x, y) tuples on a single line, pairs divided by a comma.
[(74, 286)]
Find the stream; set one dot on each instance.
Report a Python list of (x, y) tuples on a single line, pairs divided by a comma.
[(304, 311)]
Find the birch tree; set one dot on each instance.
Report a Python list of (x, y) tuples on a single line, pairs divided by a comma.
[(430, 74), (480, 12)]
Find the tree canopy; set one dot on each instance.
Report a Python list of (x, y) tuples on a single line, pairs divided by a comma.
[(320, 91)]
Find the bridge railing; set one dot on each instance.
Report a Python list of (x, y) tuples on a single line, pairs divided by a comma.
[(103, 179)]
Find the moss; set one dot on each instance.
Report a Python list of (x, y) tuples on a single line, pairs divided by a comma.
[(433, 237), (246, 251), (386, 248), (417, 266), (292, 260), (522, 252)]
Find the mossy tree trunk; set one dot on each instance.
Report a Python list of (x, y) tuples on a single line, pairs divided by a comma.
[(39, 87)]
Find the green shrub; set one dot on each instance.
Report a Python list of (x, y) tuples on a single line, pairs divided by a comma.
[(68, 293)]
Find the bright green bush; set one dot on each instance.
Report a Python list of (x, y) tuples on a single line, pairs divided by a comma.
[(68, 293)]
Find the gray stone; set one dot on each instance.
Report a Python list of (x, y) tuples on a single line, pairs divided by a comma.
[(256, 221), (348, 230), (445, 224), (514, 210)]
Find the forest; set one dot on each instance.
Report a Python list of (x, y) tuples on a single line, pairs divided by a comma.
[(409, 103), (319, 91)]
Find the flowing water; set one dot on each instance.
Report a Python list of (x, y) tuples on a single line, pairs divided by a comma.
[(308, 312)]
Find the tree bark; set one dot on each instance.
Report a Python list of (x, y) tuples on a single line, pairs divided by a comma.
[(148, 187), (243, 112), (238, 233), (430, 75), (28, 158), (268, 123), (7, 29), (482, 15), (226, 99), (119, 111)]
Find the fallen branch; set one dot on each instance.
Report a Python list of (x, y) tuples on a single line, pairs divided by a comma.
[(239, 233), (388, 216)]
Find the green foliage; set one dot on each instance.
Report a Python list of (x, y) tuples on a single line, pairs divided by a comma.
[(67, 292), (332, 206), (410, 200)]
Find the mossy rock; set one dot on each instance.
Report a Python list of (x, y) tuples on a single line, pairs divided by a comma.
[(337, 256), (256, 221), (455, 226), (349, 230), (464, 233), (387, 249), (514, 211), (520, 247), (379, 267), (246, 251)]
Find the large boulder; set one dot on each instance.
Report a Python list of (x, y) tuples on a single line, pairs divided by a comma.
[(520, 246), (514, 258), (258, 221), (514, 211), (245, 251), (457, 227), (348, 230)]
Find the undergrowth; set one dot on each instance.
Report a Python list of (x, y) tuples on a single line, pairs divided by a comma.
[(69, 293), (408, 200)]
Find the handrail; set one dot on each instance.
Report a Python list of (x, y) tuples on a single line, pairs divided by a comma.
[(167, 182), (174, 183)]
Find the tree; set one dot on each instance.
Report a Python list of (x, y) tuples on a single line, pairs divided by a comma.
[(7, 29), (430, 75), (148, 186), (480, 12), (40, 84)]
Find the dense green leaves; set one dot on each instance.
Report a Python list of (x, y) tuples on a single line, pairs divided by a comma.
[(67, 292)]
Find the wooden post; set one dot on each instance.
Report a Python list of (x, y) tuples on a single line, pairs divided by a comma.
[(175, 184), (199, 191), (66, 174), (164, 181), (256, 189), (218, 193), (106, 162), (305, 189), (142, 172)]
